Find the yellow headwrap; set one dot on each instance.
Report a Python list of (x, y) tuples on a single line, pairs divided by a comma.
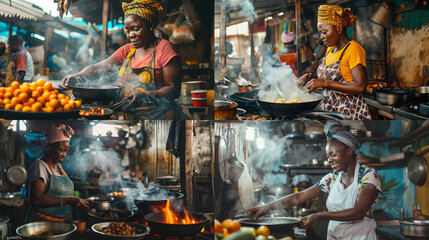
[(336, 15), (146, 9)]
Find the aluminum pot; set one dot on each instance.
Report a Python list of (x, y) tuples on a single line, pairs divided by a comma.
[(61, 231), (420, 92), (100, 203), (414, 228), (417, 170), (3, 227), (392, 97)]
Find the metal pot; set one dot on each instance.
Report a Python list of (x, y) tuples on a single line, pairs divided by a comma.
[(187, 87), (420, 92), (167, 180), (17, 175), (414, 228), (3, 227), (417, 170), (225, 110), (153, 203), (157, 224), (392, 96), (100, 203), (94, 93), (61, 231)]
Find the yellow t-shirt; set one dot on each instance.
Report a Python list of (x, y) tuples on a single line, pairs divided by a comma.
[(354, 55)]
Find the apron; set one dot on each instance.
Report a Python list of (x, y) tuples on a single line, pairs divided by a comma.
[(143, 80), (340, 199), (60, 187), (353, 106)]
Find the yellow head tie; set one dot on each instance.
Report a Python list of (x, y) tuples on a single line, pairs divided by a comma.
[(336, 15), (149, 10)]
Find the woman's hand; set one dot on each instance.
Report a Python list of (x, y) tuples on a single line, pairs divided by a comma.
[(259, 210), (303, 80), (76, 202), (66, 81), (316, 84), (136, 99), (310, 220)]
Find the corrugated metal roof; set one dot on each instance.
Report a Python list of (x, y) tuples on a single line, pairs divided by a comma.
[(20, 9)]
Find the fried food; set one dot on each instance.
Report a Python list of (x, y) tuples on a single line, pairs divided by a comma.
[(282, 100), (119, 228)]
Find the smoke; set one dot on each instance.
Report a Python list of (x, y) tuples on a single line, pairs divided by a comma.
[(284, 78), (109, 77), (243, 8)]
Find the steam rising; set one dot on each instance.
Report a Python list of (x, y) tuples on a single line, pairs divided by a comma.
[(245, 8)]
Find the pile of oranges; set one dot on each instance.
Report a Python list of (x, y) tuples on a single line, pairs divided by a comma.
[(39, 96)]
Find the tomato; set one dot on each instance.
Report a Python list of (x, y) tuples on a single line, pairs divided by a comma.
[(263, 230), (218, 226), (231, 225)]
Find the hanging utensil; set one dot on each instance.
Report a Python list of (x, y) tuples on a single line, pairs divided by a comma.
[(234, 167), (417, 170)]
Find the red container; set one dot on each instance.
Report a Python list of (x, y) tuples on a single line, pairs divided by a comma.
[(200, 102), (199, 93)]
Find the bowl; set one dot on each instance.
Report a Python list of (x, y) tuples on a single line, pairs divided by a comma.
[(61, 231), (142, 231)]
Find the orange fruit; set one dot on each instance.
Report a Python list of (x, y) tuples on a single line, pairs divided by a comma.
[(39, 89), (23, 97), (225, 232), (33, 85), (67, 98), (40, 82), (8, 106), (231, 225), (26, 109), (14, 85), (1, 95), (41, 100), (8, 95), (60, 109), (30, 102), (68, 107), (53, 96), (19, 107), (2, 89), (26, 88), (14, 101), (63, 102), (47, 86), (55, 103), (35, 94), (49, 109), (54, 91), (218, 226), (263, 230), (36, 107), (72, 103), (16, 92), (61, 96), (78, 103), (46, 96), (6, 101)]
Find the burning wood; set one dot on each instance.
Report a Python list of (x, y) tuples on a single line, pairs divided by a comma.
[(171, 217), (92, 111)]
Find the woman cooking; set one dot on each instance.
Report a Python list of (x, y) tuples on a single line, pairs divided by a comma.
[(150, 67), (342, 72), (352, 189), (51, 190)]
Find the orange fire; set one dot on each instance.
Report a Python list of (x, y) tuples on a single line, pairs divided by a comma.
[(171, 217), (92, 111)]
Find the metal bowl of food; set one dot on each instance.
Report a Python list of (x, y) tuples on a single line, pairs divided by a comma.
[(46, 231), (113, 215), (120, 231)]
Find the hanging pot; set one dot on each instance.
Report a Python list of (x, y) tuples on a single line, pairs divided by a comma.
[(417, 170), (17, 175)]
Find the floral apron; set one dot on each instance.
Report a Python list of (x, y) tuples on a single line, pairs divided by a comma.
[(143, 80), (353, 106), (59, 187)]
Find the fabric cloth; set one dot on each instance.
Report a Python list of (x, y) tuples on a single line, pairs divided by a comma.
[(40, 169), (173, 139), (334, 129), (146, 9), (336, 15), (341, 198), (58, 134), (354, 56), (301, 178), (22, 61), (3, 63), (166, 51), (288, 37), (353, 106), (60, 187), (143, 80), (367, 178)]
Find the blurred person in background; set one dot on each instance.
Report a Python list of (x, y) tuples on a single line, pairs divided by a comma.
[(22, 68), (3, 59)]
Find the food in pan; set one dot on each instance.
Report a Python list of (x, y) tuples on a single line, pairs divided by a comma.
[(119, 228), (39, 96), (42, 233), (119, 194), (230, 229), (282, 100)]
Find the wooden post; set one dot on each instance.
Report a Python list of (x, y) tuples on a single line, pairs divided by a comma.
[(105, 21), (222, 36), (298, 36), (186, 173)]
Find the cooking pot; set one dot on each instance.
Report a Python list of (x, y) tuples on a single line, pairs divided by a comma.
[(153, 201), (225, 110), (391, 96), (100, 203), (417, 170), (421, 93), (158, 225), (3, 227), (94, 93), (167, 180), (188, 86), (414, 228), (61, 231)]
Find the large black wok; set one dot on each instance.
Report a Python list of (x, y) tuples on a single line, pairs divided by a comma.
[(157, 224), (281, 109), (275, 224), (18, 115), (94, 93), (154, 202)]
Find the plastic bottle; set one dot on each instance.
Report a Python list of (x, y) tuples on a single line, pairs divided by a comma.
[(419, 211), (23, 191), (415, 213)]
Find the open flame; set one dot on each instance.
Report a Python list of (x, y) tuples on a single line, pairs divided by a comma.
[(92, 111), (171, 217)]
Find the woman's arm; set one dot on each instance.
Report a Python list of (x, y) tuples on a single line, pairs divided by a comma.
[(357, 86), (288, 201), (39, 199), (93, 70), (364, 201)]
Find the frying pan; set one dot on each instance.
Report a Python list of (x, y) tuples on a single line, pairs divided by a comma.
[(417, 170), (157, 224), (17, 115), (94, 93), (280, 109), (275, 224)]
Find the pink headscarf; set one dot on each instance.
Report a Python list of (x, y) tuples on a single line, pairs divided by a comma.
[(288, 37), (58, 134)]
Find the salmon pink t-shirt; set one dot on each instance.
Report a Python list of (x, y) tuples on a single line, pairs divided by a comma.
[(164, 52)]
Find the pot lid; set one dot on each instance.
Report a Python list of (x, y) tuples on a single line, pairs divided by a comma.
[(417, 170), (17, 175)]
